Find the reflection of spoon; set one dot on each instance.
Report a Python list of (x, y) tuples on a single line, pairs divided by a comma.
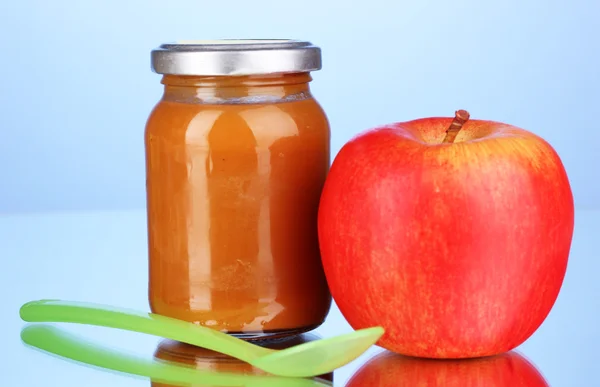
[(59, 342), (309, 359), (506, 370), (205, 359)]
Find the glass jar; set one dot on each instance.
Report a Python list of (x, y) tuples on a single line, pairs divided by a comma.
[(237, 151)]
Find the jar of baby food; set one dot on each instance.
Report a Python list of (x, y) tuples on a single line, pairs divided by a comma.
[(237, 151)]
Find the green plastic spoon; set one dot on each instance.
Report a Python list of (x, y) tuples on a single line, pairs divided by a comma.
[(305, 360)]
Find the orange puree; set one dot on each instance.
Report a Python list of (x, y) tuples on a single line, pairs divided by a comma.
[(235, 168)]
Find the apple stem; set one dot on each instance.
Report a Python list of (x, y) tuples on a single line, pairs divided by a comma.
[(460, 117)]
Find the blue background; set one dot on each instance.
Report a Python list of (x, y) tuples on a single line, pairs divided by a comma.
[(76, 90), (77, 86)]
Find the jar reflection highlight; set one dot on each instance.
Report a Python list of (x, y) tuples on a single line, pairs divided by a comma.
[(207, 360), (388, 369)]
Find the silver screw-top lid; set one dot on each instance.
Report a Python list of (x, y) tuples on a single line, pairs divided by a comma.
[(236, 57)]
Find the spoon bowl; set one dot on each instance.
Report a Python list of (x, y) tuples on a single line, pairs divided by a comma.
[(304, 360), (321, 356)]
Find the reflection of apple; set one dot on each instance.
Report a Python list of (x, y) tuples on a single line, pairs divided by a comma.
[(205, 359), (457, 246), (506, 370)]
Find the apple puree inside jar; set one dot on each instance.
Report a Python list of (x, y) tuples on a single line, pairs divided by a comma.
[(235, 168)]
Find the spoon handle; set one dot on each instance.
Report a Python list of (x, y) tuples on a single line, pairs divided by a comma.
[(149, 323)]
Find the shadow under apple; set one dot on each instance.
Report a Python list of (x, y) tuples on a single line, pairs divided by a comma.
[(509, 369)]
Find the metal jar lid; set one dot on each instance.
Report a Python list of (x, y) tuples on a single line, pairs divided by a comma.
[(236, 57)]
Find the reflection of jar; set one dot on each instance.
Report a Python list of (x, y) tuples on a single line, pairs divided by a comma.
[(204, 359), (237, 152)]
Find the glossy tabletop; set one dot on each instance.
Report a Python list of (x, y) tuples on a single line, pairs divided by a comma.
[(101, 257)]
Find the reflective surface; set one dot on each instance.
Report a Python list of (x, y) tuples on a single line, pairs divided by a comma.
[(389, 369), (101, 257), (173, 364)]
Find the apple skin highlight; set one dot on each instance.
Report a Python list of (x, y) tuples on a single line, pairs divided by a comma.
[(458, 250)]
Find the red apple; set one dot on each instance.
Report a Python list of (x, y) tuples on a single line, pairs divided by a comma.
[(505, 370), (456, 246)]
